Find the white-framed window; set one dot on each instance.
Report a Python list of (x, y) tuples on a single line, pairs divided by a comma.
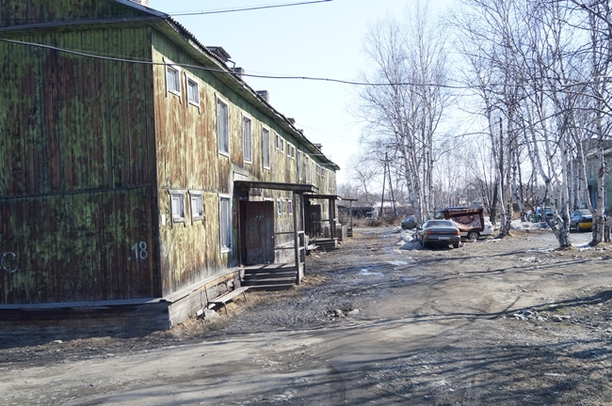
[(299, 166), (290, 207), (279, 207), (307, 168), (277, 142), (290, 151), (247, 137), (323, 172), (223, 126), (173, 78), (225, 222), (177, 205), (265, 147), (193, 90), (197, 205), (313, 177), (281, 145)]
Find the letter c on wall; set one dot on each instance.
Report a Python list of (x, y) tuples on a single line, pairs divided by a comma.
[(3, 264)]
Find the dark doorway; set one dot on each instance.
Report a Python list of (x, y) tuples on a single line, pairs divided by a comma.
[(314, 220), (258, 233)]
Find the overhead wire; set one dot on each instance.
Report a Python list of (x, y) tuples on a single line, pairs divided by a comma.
[(224, 71), (266, 7)]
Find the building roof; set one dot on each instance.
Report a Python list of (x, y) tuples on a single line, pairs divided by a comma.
[(228, 75)]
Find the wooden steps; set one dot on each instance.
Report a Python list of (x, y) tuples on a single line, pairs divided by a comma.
[(270, 277)]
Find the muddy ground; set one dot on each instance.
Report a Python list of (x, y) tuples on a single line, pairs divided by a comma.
[(380, 321)]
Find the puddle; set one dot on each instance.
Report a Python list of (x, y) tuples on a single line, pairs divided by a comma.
[(366, 272), (398, 263)]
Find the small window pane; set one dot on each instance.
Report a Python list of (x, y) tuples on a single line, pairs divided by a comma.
[(173, 79), (246, 140), (197, 207), (177, 202), (193, 91), (225, 221), (222, 126), (265, 147)]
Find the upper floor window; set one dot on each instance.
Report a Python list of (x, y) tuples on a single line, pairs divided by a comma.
[(299, 166), (173, 79), (223, 126), (193, 91), (313, 178), (265, 147), (247, 147)]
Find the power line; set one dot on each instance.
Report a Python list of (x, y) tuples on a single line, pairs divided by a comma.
[(192, 13), (215, 70), (275, 77)]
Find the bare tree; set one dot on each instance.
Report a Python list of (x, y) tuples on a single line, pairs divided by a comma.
[(407, 98)]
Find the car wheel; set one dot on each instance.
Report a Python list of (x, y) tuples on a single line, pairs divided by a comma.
[(457, 244), (473, 235)]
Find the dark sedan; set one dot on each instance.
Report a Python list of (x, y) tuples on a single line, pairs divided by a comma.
[(438, 233), (409, 223)]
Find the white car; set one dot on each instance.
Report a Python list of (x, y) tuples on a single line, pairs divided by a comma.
[(488, 229)]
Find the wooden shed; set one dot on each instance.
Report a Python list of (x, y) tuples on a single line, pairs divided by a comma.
[(133, 161)]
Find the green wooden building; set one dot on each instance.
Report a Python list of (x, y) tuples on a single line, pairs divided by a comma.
[(138, 172)]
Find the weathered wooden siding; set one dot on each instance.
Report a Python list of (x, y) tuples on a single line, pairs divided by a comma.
[(77, 169), (23, 12)]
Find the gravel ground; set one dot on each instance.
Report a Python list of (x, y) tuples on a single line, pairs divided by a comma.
[(379, 321)]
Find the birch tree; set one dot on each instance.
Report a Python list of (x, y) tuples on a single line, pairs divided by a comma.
[(407, 98)]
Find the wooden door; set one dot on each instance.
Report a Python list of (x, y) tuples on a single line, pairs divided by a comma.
[(259, 232)]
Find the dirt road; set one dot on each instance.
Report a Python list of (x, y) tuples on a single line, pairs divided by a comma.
[(380, 321)]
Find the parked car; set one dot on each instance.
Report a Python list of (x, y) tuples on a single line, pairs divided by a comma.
[(409, 223), (541, 214), (581, 220), (469, 220), (488, 229), (438, 232)]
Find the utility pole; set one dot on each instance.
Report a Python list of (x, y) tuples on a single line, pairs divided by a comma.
[(387, 162), (382, 198)]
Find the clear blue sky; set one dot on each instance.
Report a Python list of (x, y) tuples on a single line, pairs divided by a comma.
[(316, 40)]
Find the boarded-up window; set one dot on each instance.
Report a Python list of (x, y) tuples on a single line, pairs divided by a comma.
[(225, 223), (265, 147), (222, 126), (247, 147)]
